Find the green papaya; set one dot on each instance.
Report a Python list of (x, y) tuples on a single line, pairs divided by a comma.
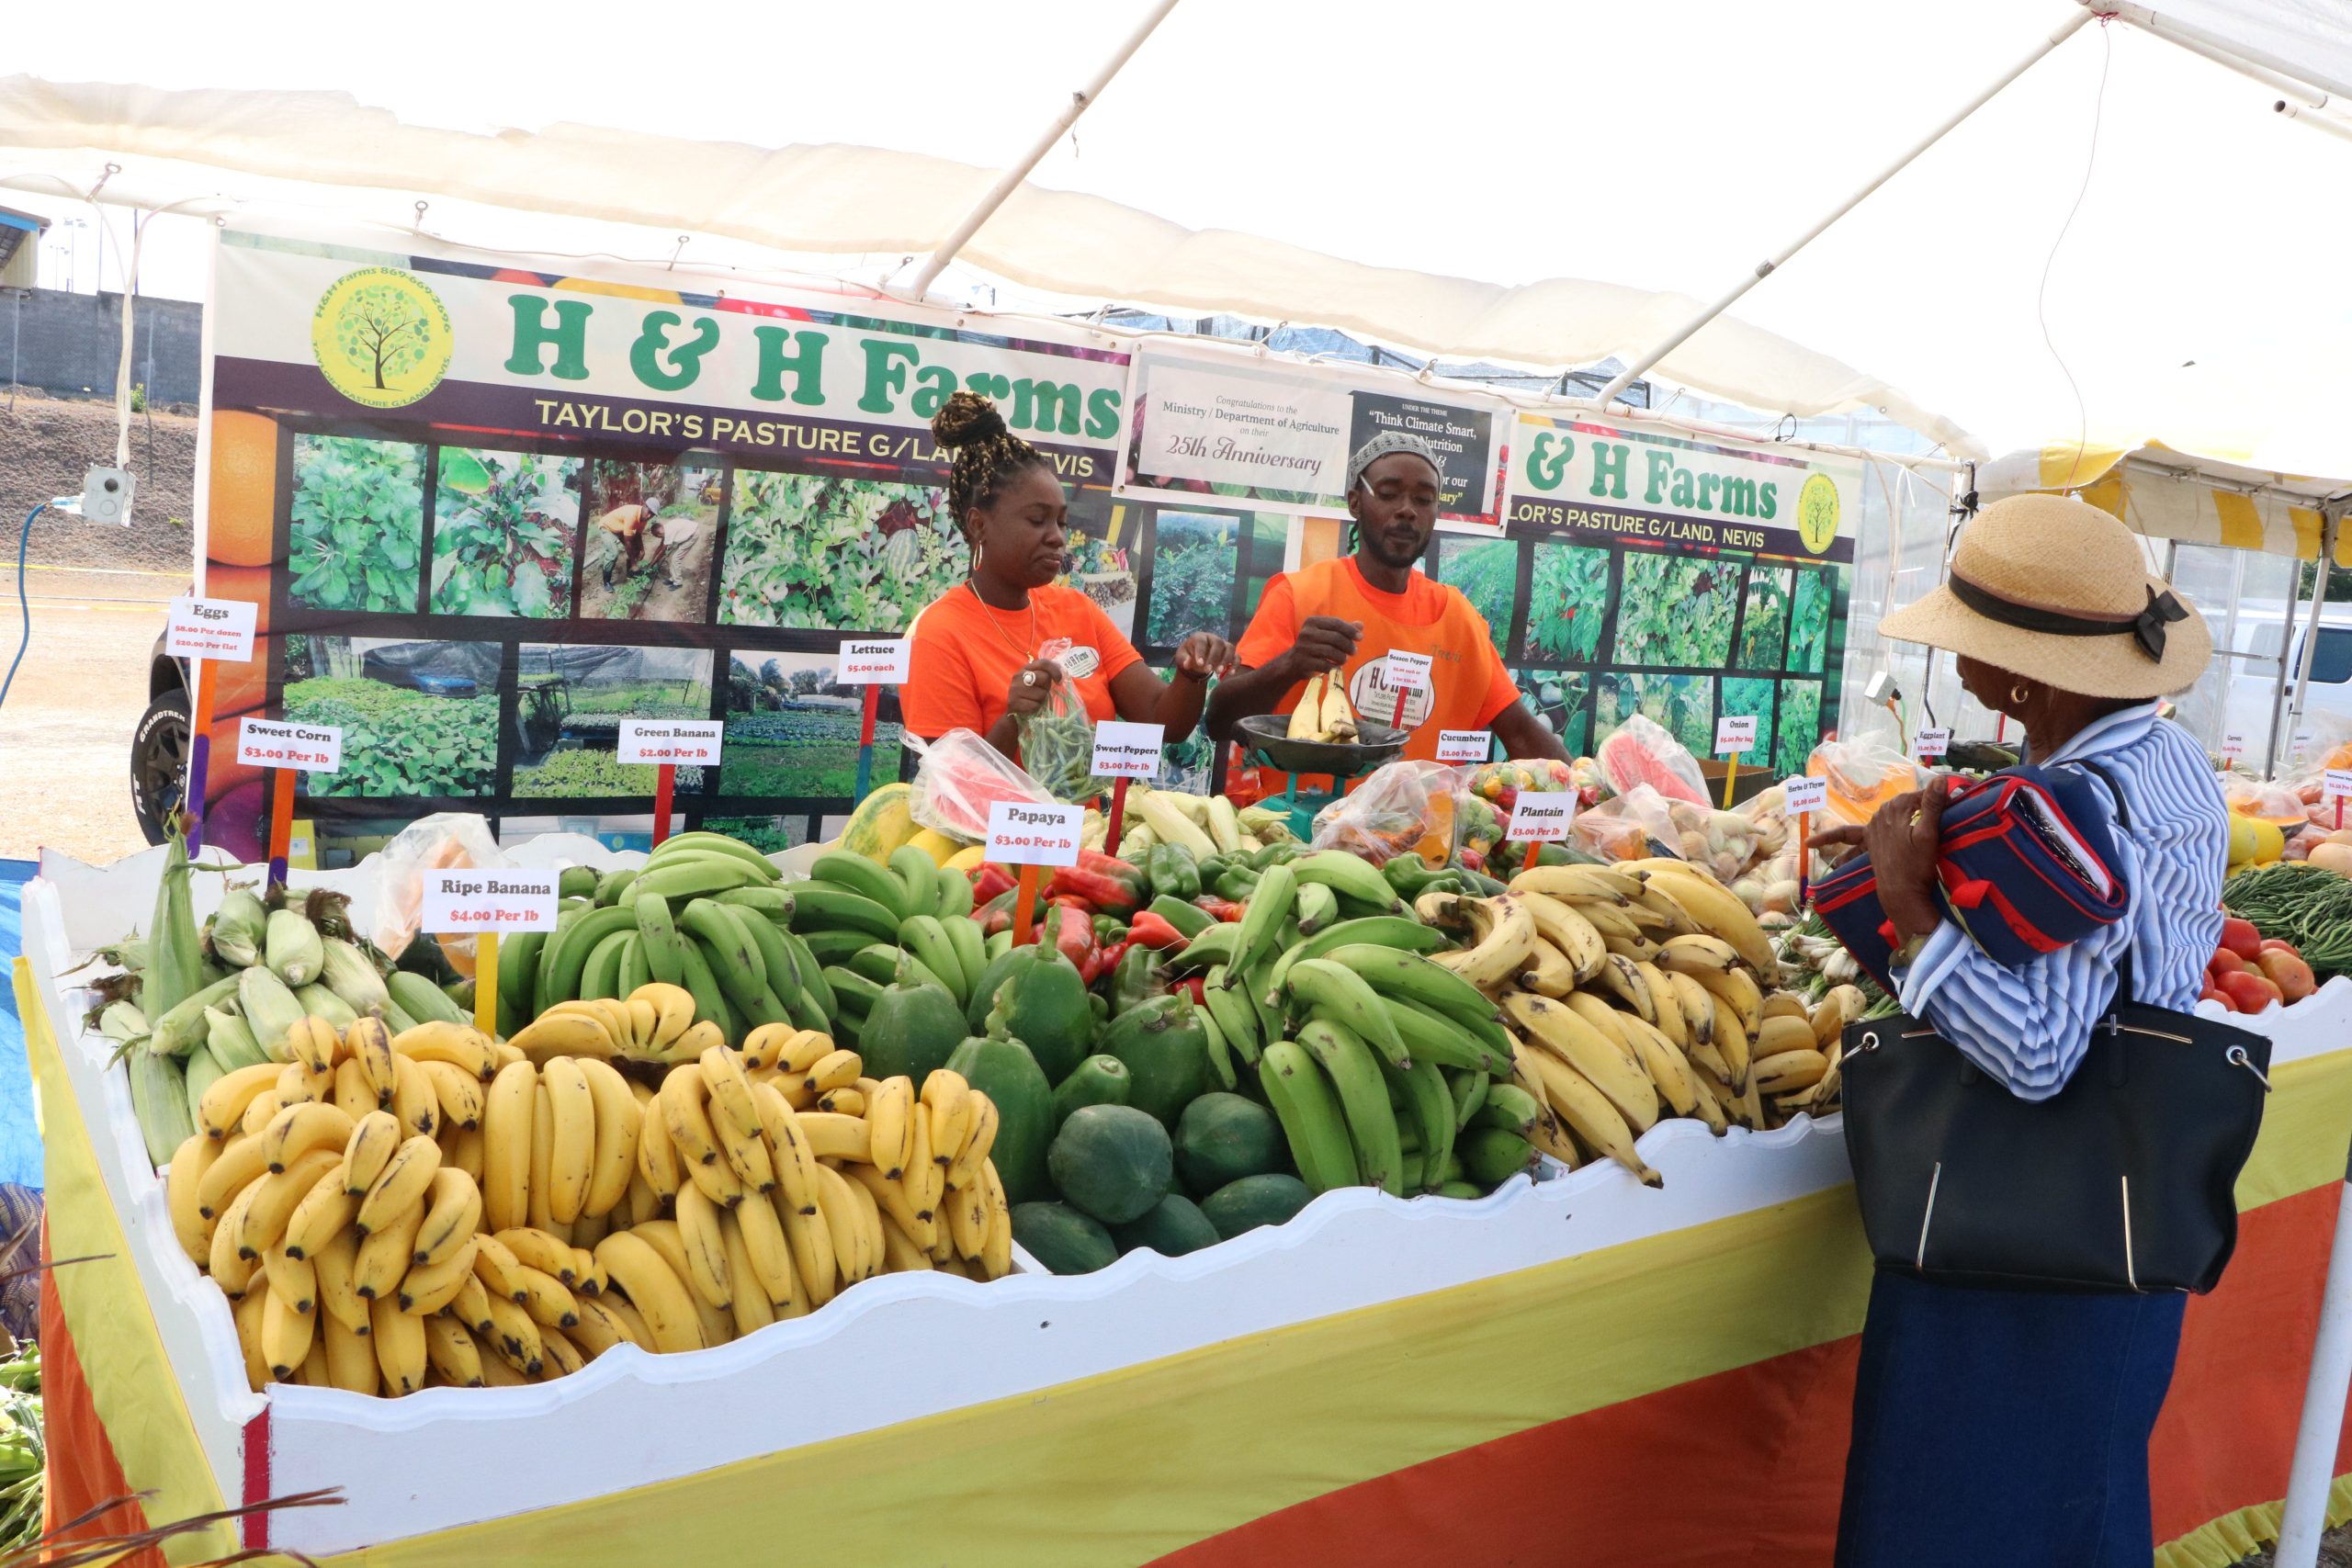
[(910, 1030), (1043, 1005), (1166, 1052), (1098, 1080), (1009, 1077), (993, 976), (1173, 1227), (1061, 1238)]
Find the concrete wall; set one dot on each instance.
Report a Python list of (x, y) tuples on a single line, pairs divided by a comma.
[(68, 343)]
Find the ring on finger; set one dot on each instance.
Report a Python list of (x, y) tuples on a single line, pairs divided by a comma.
[(1028, 677)]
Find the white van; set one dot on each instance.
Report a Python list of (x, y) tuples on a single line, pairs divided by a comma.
[(2240, 692)]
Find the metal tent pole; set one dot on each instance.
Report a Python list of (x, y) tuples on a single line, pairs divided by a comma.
[(2332, 525), (1009, 181), (1766, 268), (2271, 69), (2304, 1516), (2315, 119)]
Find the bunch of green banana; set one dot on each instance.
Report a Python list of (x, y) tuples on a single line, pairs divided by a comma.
[(703, 914), (1384, 1066)]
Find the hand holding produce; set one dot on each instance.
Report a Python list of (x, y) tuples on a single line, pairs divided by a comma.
[(1325, 643)]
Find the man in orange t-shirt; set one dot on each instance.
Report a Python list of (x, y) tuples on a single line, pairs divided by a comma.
[(1349, 614)]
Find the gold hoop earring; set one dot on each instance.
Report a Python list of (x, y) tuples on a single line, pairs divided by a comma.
[(2020, 693)]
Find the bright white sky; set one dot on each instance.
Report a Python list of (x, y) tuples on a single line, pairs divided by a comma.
[(1661, 146)]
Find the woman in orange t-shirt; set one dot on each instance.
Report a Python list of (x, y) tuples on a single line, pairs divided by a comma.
[(976, 661)]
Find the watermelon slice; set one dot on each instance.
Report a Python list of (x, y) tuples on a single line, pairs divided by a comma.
[(1640, 752)]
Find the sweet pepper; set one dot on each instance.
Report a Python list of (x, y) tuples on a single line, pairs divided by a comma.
[(1132, 979), (1107, 892), (1071, 931), (1170, 870), (1154, 931), (1190, 920)]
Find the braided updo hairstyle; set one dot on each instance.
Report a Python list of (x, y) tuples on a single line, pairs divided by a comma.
[(987, 454)]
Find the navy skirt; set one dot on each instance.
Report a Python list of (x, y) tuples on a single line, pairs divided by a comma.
[(2004, 1427)]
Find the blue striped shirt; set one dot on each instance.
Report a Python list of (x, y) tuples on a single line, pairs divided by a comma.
[(2029, 1027)]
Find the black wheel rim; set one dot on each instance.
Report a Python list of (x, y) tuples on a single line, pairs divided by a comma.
[(163, 767)]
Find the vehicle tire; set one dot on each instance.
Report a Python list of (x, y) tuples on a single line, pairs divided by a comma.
[(159, 749)]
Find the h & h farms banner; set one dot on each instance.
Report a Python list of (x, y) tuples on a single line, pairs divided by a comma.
[(486, 513)]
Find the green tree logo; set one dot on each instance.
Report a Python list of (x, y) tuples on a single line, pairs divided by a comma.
[(382, 337), (1817, 512)]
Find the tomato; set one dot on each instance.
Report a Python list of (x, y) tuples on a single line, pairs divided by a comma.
[(2240, 937), (2290, 973), (2251, 993), (2210, 995), (2225, 963), (2277, 944)]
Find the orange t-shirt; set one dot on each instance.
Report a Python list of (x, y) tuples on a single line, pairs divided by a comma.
[(965, 653), (1468, 687)]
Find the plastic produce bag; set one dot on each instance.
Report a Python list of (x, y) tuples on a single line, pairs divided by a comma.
[(1636, 825), (1862, 775), (1404, 808), (1057, 740), (448, 840), (1641, 751), (1723, 842), (2285, 805), (961, 776)]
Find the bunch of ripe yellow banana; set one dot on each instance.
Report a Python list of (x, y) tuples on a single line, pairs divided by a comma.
[(1638, 991), (389, 1213), (1323, 711), (654, 1023)]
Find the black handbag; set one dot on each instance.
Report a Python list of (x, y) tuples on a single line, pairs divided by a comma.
[(2124, 1180)]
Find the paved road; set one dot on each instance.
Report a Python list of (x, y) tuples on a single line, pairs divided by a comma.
[(66, 729)]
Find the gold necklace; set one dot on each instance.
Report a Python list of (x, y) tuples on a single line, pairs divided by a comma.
[(989, 611)]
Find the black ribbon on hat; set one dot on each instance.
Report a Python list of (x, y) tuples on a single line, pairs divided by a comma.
[(2146, 628)]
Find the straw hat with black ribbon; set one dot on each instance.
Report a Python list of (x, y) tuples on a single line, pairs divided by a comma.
[(2053, 590)]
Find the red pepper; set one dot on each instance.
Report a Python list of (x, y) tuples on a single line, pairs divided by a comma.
[(1073, 932), (1154, 931), (1111, 895), (1103, 961), (990, 880), (1071, 901), (1115, 869), (1223, 909), (1196, 988)]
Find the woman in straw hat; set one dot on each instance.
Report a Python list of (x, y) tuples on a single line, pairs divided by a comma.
[(2008, 1426)]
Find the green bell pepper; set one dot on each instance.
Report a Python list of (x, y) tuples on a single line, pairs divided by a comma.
[(1132, 981), (1173, 873), (1237, 882)]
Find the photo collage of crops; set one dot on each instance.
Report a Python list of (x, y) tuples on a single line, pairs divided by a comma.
[(479, 619), (1594, 634)]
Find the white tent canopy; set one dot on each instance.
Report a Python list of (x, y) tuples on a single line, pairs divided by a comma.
[(834, 200), (2090, 228)]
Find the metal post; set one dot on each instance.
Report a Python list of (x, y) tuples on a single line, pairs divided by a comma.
[(2269, 69), (2304, 1518), (2333, 520), (1765, 268), (1009, 181), (2315, 118)]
